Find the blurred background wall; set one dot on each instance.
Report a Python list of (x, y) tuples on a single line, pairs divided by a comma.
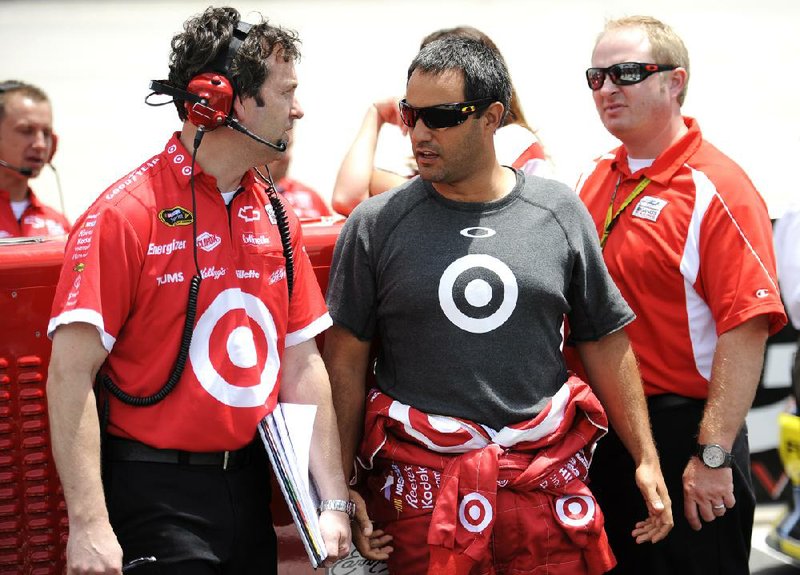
[(95, 59)]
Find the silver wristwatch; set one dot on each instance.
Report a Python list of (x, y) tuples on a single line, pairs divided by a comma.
[(338, 505), (714, 456)]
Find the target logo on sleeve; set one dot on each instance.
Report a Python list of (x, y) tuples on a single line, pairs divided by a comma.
[(217, 350), (575, 510), (475, 512), (478, 293)]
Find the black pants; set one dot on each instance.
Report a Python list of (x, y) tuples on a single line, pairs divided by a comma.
[(721, 547), (195, 519)]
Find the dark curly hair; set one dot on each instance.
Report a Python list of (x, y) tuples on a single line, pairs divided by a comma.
[(205, 35)]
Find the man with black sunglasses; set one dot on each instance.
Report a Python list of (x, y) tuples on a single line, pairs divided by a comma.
[(474, 444), (686, 238)]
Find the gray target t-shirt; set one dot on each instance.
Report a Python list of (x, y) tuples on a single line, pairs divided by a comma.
[(468, 299)]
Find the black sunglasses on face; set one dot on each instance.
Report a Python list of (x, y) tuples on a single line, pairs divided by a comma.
[(443, 115), (623, 74)]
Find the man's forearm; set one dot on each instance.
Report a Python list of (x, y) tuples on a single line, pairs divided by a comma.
[(75, 439), (346, 360), (735, 374), (614, 377), (305, 381)]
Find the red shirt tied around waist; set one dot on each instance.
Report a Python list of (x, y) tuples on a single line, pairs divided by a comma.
[(457, 480)]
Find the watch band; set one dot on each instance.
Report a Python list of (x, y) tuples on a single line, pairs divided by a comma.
[(338, 505)]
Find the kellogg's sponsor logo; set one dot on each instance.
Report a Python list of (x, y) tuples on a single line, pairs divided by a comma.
[(213, 272), (256, 240), (166, 249)]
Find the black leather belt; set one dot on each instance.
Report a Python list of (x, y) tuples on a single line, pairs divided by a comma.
[(670, 401), (118, 449)]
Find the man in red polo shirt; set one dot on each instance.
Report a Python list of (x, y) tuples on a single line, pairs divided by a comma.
[(27, 143), (186, 293), (687, 239)]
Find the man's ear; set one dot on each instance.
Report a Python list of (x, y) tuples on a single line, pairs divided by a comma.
[(494, 115), (237, 110), (53, 146), (677, 81)]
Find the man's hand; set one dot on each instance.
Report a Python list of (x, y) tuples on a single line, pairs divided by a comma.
[(389, 113), (659, 521), (707, 493), (372, 544), (93, 549), (335, 528)]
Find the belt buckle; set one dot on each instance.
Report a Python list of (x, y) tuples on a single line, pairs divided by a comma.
[(225, 460)]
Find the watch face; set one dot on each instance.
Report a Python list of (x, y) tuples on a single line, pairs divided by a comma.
[(713, 456)]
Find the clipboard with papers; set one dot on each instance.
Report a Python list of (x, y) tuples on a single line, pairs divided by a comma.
[(286, 433)]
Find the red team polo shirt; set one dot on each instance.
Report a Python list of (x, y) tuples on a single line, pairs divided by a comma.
[(127, 270), (38, 219), (692, 255)]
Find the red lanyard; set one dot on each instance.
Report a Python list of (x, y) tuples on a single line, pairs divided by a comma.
[(611, 217)]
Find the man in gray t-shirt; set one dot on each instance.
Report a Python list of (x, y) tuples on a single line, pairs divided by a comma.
[(464, 276)]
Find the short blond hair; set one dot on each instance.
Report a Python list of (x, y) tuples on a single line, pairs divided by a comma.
[(666, 45)]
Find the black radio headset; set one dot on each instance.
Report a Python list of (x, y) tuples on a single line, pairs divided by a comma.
[(208, 100)]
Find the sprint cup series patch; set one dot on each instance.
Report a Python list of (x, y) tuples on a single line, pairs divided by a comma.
[(649, 208), (176, 216)]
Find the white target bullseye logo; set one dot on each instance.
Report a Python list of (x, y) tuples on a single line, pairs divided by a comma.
[(475, 512), (241, 349), (478, 293), (575, 510)]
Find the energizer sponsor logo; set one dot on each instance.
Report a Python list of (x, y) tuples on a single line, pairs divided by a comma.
[(166, 249)]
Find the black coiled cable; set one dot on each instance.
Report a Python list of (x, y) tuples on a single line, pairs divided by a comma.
[(188, 324), (283, 228)]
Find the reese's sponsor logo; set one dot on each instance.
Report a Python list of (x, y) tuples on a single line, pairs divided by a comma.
[(166, 249), (176, 216)]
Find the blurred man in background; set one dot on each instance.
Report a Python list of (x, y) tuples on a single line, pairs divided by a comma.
[(27, 143)]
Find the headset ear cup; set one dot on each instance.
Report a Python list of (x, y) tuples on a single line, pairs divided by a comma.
[(217, 94), (53, 146)]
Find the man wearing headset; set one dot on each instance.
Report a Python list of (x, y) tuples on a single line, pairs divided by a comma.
[(27, 143), (184, 477)]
